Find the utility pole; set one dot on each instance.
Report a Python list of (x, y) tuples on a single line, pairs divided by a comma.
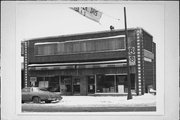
[(127, 55)]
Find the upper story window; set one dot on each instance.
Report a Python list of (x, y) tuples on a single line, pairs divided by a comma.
[(80, 46), (46, 49)]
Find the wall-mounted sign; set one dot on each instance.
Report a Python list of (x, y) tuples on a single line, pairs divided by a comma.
[(148, 54), (33, 79), (132, 60), (132, 57), (131, 50), (120, 88)]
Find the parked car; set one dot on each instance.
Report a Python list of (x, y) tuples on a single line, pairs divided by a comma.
[(51, 89), (37, 95)]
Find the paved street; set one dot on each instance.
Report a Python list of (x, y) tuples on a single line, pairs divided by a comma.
[(87, 109)]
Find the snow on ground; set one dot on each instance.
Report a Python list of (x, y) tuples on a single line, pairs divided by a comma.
[(145, 100), (105, 101)]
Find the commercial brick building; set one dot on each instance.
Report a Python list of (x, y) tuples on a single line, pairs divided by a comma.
[(91, 63)]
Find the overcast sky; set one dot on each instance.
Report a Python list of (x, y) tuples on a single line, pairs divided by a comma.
[(42, 20)]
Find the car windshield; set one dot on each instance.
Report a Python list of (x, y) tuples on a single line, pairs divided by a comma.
[(50, 89), (26, 90), (43, 89)]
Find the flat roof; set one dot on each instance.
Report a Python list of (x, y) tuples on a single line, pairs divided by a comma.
[(86, 33)]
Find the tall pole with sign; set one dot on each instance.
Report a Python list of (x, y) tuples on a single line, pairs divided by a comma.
[(128, 68)]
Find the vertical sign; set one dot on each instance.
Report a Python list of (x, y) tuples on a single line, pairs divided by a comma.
[(25, 64), (132, 58)]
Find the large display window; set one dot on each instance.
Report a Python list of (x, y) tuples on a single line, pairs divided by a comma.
[(50, 83), (114, 83), (105, 84)]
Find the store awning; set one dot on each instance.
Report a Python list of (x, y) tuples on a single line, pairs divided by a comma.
[(81, 65)]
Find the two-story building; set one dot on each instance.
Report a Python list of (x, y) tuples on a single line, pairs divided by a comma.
[(91, 63)]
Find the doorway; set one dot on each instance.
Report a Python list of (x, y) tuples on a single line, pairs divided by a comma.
[(76, 85), (91, 84)]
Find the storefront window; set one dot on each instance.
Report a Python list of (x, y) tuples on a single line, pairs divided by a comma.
[(121, 84), (114, 83), (105, 84)]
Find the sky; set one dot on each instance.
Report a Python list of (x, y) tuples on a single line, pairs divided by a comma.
[(42, 20)]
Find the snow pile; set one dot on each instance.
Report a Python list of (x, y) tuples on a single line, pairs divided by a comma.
[(106, 101)]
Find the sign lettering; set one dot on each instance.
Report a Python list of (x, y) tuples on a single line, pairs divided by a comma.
[(132, 58), (89, 12)]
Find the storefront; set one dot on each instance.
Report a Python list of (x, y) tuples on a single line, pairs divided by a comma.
[(91, 63), (70, 85)]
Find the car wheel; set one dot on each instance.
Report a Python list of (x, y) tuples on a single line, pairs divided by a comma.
[(47, 101), (36, 99)]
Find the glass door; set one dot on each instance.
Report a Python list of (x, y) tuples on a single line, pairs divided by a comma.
[(76, 86), (66, 85), (91, 84)]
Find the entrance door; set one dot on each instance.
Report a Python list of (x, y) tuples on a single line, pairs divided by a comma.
[(66, 85), (91, 84), (76, 86)]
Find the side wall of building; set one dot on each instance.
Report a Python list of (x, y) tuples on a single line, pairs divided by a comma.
[(154, 65), (149, 61)]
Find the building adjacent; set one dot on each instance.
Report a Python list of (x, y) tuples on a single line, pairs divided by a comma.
[(91, 63)]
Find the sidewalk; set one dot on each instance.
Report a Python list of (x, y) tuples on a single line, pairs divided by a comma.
[(104, 101)]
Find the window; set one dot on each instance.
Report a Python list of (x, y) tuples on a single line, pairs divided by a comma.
[(80, 46), (45, 49), (105, 84), (60, 48)]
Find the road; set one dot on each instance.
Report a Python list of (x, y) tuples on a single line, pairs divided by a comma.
[(29, 108)]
